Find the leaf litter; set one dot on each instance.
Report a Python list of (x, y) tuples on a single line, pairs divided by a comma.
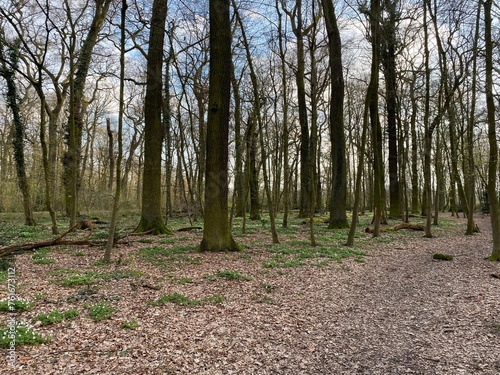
[(398, 312)]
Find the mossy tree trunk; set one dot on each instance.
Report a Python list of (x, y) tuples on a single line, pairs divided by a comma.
[(151, 215), (492, 136), (7, 72), (216, 229)]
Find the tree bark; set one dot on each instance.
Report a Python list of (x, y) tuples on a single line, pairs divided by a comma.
[(378, 170), (338, 194), (492, 136), (388, 59), (216, 229), (151, 216)]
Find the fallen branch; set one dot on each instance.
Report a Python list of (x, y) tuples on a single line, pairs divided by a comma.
[(401, 226), (189, 229), (59, 241)]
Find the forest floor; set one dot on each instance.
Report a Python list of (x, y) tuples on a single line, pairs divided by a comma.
[(382, 307)]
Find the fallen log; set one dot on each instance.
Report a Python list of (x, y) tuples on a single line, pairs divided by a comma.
[(189, 229), (396, 227), (59, 241)]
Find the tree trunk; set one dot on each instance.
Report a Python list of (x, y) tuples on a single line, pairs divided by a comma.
[(470, 182), (414, 148), (285, 140), (151, 215), (118, 183), (492, 136), (216, 230), (378, 170), (239, 178), (388, 57), (111, 155), (19, 132), (338, 194)]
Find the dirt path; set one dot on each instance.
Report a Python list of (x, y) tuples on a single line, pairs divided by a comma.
[(410, 314)]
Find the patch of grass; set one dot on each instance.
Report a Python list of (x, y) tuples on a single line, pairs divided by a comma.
[(15, 305), (290, 256), (280, 261), (56, 316), (132, 324), (168, 257), (184, 280), (244, 256), (41, 256), (171, 240), (182, 300), (71, 314), (87, 278), (439, 256), (101, 311), (146, 240), (5, 264), (23, 336)]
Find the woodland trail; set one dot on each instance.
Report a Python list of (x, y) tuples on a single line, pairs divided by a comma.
[(408, 313)]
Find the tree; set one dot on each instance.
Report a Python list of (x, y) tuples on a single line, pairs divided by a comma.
[(151, 216), (296, 20), (338, 216), (216, 230), (118, 187), (376, 134), (492, 136), (388, 60), (8, 73), (78, 75)]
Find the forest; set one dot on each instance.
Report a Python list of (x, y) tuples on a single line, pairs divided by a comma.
[(386, 106), (139, 139)]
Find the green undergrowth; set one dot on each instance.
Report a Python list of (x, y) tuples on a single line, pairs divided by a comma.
[(23, 336), (130, 324), (15, 305), (228, 275), (101, 311), (56, 316), (302, 254), (182, 300), (41, 256)]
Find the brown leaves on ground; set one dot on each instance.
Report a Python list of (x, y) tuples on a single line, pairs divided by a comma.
[(398, 312)]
